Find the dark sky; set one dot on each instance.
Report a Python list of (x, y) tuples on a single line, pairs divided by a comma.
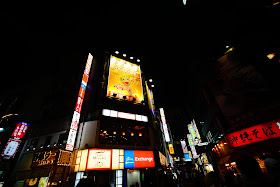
[(167, 36)]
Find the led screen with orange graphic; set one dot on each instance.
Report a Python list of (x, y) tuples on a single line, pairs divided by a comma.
[(125, 80)]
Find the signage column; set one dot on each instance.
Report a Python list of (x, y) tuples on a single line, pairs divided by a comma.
[(78, 108)]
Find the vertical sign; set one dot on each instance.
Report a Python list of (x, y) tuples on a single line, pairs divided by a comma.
[(78, 108), (13, 143), (192, 146), (184, 147), (164, 125)]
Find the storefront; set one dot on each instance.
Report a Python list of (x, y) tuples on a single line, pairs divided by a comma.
[(250, 153), (48, 168), (117, 167)]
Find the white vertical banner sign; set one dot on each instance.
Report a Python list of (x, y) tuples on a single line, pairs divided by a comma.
[(76, 116), (184, 146), (164, 125)]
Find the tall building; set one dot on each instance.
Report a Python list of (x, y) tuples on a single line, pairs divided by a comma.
[(112, 135)]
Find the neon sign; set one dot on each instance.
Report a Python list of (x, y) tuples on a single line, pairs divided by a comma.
[(255, 134), (78, 108)]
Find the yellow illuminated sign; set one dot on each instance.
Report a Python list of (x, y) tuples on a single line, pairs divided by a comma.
[(125, 80), (171, 149)]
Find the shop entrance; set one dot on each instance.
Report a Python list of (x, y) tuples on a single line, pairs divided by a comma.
[(133, 178)]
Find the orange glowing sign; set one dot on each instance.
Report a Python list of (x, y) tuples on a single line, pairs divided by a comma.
[(125, 80)]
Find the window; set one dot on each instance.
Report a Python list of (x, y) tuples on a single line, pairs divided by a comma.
[(33, 144), (48, 141), (124, 134), (62, 139)]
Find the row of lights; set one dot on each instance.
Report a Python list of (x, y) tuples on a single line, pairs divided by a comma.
[(123, 133), (124, 55), (43, 147)]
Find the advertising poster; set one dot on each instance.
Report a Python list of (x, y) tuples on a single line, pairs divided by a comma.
[(125, 80), (99, 159), (43, 182)]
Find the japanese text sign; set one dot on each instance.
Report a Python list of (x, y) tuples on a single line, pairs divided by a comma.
[(20, 130), (11, 148), (255, 134), (45, 158)]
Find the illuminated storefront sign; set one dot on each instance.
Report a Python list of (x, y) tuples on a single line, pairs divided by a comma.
[(45, 158), (125, 80), (171, 149), (64, 158), (78, 108), (138, 159), (255, 134), (11, 148), (184, 146), (164, 125), (112, 159), (194, 154), (13, 143), (99, 159)]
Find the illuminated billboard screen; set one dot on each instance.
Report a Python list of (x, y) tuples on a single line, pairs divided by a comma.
[(125, 80)]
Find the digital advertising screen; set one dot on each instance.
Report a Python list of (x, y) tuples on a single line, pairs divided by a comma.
[(125, 80)]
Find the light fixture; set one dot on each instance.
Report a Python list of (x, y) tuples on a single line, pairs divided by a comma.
[(48, 145), (114, 132), (117, 52), (132, 134), (227, 46), (152, 85), (131, 57), (225, 143), (138, 60), (27, 149), (140, 134), (34, 148), (54, 144), (150, 80), (271, 56), (104, 131), (123, 133), (124, 55)]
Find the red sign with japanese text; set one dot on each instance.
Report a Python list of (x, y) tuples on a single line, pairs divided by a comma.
[(255, 134), (79, 104), (20, 130)]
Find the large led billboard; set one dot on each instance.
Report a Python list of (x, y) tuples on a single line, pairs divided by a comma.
[(125, 80)]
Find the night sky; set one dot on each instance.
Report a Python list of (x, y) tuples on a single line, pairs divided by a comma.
[(170, 39)]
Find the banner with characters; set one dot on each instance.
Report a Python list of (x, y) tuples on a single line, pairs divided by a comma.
[(125, 80)]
